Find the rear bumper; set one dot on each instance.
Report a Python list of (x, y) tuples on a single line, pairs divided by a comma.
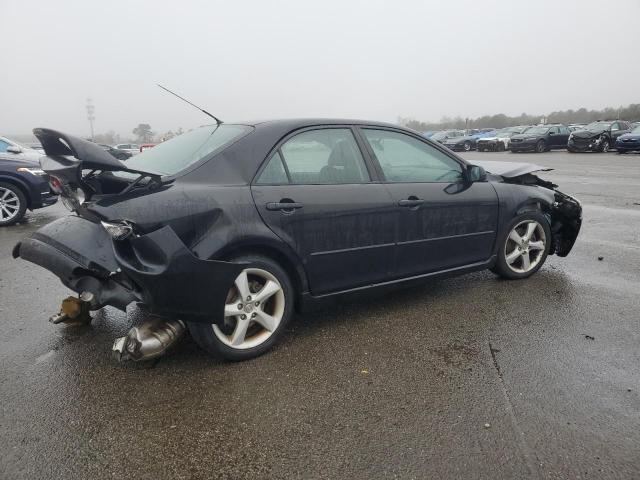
[(156, 270)]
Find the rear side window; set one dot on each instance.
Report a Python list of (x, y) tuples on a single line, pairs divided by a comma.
[(274, 173), (326, 156), (407, 159)]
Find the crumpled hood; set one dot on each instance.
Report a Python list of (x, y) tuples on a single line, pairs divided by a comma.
[(587, 133), (510, 169)]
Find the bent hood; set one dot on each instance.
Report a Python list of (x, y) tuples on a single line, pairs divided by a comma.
[(588, 133), (510, 169)]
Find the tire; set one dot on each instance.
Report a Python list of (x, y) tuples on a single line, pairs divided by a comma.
[(13, 204), (541, 146), (606, 145), (467, 146), (511, 262), (257, 339)]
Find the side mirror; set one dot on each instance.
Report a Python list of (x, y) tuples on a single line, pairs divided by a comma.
[(14, 149), (476, 174)]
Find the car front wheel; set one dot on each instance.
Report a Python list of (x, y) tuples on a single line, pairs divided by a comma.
[(467, 146), (525, 246), (257, 309), (541, 146), (13, 204), (605, 146)]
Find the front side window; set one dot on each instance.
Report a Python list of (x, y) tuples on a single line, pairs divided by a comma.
[(406, 159), (3, 146), (326, 156), (173, 156)]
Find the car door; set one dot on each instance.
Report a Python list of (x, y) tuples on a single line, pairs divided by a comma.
[(563, 137), (617, 129), (553, 140), (443, 221), (315, 192)]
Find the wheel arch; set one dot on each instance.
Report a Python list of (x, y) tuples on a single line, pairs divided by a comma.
[(18, 184), (286, 258)]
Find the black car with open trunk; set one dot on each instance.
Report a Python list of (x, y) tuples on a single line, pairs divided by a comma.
[(226, 229)]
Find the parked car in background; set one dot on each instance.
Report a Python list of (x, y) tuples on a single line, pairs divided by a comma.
[(132, 148), (467, 142), (257, 219), (629, 142), (23, 184), (498, 142), (540, 139), (119, 154), (598, 136), (443, 135), (17, 150), (146, 146)]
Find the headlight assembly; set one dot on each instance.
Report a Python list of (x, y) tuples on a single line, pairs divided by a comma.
[(38, 172)]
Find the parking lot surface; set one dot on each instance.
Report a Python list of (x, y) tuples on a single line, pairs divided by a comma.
[(471, 377)]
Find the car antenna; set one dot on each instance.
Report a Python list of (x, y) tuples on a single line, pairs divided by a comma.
[(218, 121)]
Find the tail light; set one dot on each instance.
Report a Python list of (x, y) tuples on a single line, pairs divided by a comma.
[(55, 183)]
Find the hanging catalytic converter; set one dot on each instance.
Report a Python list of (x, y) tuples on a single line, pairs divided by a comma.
[(149, 340)]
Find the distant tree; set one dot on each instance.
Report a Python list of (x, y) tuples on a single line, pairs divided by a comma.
[(109, 138), (143, 133)]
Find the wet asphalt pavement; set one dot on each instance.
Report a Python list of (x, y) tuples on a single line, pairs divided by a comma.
[(471, 377)]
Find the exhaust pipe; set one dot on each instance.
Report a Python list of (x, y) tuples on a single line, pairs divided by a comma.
[(149, 340)]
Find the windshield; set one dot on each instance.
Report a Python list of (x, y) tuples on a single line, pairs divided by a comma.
[(597, 126), (173, 156), (503, 133), (536, 130)]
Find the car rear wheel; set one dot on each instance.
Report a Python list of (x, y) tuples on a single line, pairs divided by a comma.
[(524, 248), (257, 309), (13, 204), (541, 146)]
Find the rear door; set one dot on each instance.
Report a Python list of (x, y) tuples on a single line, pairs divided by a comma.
[(316, 193), (443, 221)]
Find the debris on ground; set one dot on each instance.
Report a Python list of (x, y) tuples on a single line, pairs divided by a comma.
[(600, 258), (589, 337), (487, 425)]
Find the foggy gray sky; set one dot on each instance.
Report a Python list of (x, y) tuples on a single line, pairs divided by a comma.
[(271, 59)]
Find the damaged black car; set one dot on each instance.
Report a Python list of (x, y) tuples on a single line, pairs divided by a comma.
[(228, 229), (597, 136)]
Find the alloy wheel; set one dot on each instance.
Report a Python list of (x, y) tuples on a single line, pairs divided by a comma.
[(9, 204), (525, 246), (253, 309), (605, 146)]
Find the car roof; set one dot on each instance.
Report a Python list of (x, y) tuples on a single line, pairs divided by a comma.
[(294, 123)]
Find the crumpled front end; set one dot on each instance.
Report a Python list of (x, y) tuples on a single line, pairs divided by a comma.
[(155, 269), (566, 220)]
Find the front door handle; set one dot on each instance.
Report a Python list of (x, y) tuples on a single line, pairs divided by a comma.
[(284, 206), (411, 202)]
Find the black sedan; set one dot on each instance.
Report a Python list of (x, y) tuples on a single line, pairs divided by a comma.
[(597, 136), (540, 139), (23, 186), (230, 227)]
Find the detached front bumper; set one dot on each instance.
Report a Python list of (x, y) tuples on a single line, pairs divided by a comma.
[(156, 269), (523, 146)]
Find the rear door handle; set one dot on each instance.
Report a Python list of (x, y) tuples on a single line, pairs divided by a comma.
[(410, 202), (284, 206)]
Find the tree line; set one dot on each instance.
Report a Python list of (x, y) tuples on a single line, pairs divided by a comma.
[(582, 115)]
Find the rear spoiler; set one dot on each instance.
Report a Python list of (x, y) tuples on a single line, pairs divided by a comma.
[(89, 155)]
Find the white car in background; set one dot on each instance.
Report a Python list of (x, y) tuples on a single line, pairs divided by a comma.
[(132, 148), (500, 141), (11, 149)]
